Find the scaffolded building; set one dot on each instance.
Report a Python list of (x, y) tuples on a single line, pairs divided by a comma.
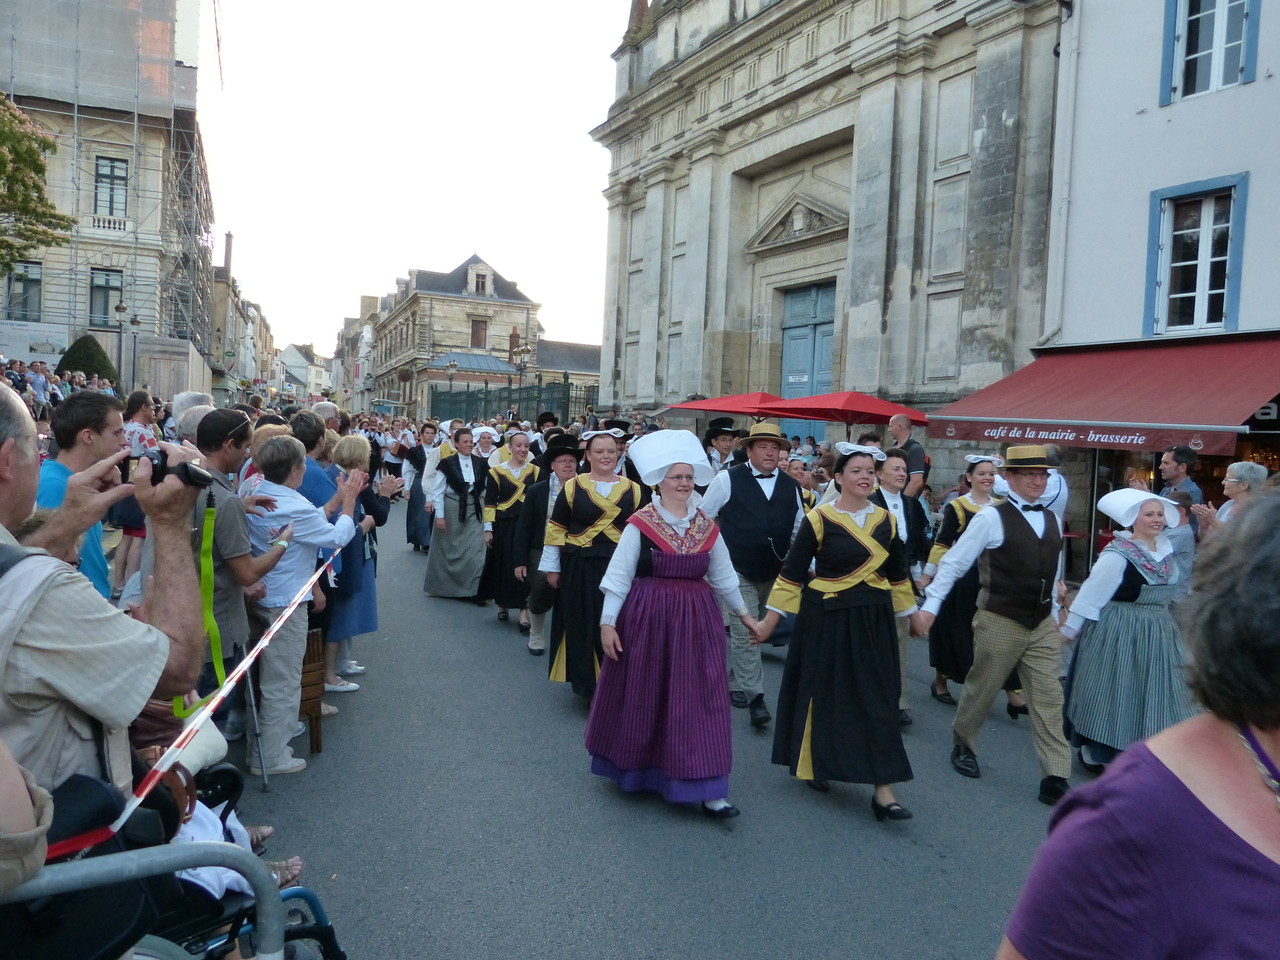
[(114, 83)]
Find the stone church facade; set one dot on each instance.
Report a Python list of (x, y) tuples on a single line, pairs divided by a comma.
[(817, 195)]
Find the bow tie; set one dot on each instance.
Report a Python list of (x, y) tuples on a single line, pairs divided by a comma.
[(763, 476), (1028, 507)]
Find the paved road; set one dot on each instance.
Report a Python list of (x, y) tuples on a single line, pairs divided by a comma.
[(452, 815)]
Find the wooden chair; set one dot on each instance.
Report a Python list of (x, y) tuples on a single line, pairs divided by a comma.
[(313, 688)]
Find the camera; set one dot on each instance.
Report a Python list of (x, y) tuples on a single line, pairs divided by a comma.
[(187, 472)]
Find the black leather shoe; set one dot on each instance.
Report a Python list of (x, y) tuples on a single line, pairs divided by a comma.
[(890, 811), (760, 715), (737, 699), (1053, 789), (724, 813), (964, 762), (904, 719), (822, 786), (1015, 712)]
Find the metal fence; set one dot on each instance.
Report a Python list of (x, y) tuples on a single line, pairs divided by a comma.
[(483, 401)]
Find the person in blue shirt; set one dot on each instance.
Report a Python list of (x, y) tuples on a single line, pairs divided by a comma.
[(87, 427)]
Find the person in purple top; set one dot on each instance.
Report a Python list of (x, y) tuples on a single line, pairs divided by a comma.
[(1175, 851)]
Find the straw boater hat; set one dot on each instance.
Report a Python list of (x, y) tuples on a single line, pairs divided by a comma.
[(718, 427), (1030, 457), (654, 453), (767, 431), (1123, 506)]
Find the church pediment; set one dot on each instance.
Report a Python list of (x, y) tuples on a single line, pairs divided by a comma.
[(798, 219)]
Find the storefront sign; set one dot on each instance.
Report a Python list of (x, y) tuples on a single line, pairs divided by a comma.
[(1109, 437)]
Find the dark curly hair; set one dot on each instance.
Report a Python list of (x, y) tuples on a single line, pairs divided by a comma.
[(1229, 620)]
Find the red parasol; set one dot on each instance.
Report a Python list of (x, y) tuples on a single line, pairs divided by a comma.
[(848, 407), (743, 404)]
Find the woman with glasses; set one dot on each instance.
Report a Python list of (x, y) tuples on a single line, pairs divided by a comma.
[(1242, 481), (660, 720), (1126, 681)]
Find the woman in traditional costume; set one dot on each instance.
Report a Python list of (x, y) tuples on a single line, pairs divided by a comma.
[(457, 554), (503, 503), (660, 718), (586, 523), (423, 457), (951, 636), (838, 703), (1127, 678)]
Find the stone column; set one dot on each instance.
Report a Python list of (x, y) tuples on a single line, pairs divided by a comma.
[(615, 273), (653, 303), (695, 301)]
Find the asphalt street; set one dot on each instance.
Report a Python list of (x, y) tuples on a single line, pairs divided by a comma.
[(452, 814)]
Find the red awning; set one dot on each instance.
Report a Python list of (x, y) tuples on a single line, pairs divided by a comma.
[(1146, 396), (847, 407)]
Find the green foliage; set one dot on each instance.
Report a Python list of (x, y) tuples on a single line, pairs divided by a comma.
[(28, 219), (87, 355)]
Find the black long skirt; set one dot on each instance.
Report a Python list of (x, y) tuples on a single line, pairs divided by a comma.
[(838, 704), (499, 581), (418, 524), (951, 636), (574, 644)]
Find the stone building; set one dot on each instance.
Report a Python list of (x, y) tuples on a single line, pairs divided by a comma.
[(471, 309), (114, 84), (353, 358), (243, 346), (818, 195)]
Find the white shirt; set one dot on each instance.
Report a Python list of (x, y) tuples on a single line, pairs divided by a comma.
[(1104, 579), (894, 502), (1055, 492), (439, 485), (387, 441), (622, 567), (312, 531), (984, 532)]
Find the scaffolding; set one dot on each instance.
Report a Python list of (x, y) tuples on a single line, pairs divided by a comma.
[(84, 65)]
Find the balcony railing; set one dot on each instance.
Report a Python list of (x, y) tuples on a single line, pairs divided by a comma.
[(109, 224)]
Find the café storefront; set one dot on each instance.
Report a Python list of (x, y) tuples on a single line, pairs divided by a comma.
[(1120, 405)]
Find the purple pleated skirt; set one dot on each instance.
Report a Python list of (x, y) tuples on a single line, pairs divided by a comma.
[(660, 717)]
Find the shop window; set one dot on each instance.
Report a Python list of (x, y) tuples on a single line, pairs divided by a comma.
[(1196, 238), (1208, 45), (23, 297)]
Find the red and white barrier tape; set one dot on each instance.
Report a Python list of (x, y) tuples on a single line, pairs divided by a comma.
[(92, 838)]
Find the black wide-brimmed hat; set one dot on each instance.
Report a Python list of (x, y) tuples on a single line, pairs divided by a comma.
[(623, 425), (718, 427), (557, 446), (547, 417)]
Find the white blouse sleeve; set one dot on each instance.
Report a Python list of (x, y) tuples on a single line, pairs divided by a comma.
[(549, 562), (1096, 592), (437, 492), (724, 579), (617, 579)]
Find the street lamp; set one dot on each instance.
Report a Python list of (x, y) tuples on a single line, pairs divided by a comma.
[(136, 324), (523, 352)]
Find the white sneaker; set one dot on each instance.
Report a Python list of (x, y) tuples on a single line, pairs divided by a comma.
[(301, 729), (342, 686), (295, 765), (351, 669)]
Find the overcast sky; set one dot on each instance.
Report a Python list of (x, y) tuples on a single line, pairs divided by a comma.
[(345, 150)]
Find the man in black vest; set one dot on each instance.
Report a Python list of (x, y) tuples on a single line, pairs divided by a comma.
[(1018, 544), (912, 525), (758, 507)]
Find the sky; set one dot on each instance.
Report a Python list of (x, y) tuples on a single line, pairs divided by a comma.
[(345, 150)]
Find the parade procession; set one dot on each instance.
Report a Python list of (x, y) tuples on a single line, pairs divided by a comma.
[(864, 543)]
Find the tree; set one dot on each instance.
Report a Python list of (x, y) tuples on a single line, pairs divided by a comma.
[(87, 356), (28, 218)]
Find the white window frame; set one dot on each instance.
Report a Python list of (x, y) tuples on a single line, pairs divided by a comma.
[(1160, 255), (1217, 52)]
